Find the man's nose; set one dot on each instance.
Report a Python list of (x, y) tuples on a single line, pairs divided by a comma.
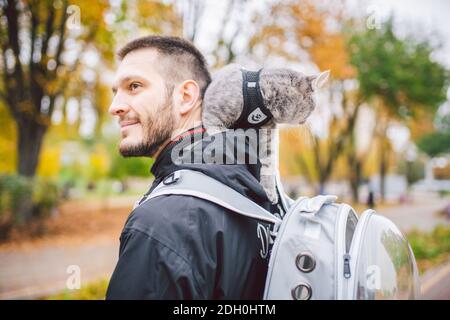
[(118, 106)]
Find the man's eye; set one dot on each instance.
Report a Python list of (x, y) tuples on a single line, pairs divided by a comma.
[(134, 86)]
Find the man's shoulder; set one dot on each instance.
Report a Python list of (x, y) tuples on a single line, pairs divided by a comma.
[(181, 215), (172, 219)]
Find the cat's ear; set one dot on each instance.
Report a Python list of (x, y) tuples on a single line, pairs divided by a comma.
[(320, 80)]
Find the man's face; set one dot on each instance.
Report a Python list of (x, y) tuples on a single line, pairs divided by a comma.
[(143, 105)]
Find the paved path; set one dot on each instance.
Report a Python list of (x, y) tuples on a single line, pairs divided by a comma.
[(419, 214), (33, 274), (436, 283)]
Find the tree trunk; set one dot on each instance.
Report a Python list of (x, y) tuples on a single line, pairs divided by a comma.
[(354, 177), (383, 169), (29, 142), (321, 188)]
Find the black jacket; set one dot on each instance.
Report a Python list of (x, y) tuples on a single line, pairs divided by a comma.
[(182, 247)]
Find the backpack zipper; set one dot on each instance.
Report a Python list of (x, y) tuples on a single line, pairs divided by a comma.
[(351, 259), (347, 273), (340, 252)]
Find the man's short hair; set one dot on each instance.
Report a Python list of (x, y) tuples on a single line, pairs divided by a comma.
[(183, 60)]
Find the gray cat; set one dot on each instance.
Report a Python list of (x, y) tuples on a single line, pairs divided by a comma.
[(287, 94)]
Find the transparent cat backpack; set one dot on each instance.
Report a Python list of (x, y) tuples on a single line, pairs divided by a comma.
[(321, 249)]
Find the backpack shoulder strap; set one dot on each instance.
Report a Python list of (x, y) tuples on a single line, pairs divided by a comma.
[(197, 184)]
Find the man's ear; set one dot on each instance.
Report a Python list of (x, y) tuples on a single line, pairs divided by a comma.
[(188, 96)]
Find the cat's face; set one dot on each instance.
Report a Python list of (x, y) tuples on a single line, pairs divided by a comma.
[(290, 95), (305, 102), (301, 101)]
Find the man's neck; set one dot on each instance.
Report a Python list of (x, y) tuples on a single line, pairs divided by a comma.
[(164, 150), (192, 120), (177, 134), (161, 148), (185, 123)]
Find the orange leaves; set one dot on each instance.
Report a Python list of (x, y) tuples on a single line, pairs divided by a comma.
[(310, 21), (330, 53), (296, 152), (158, 17), (424, 126), (90, 11), (314, 27)]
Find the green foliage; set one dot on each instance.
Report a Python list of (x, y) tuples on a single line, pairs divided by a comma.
[(398, 71), (12, 189), (92, 291), (435, 143), (136, 167), (443, 193), (44, 195), (430, 245), (412, 170)]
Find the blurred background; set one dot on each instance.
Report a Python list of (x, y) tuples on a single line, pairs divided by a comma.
[(379, 138)]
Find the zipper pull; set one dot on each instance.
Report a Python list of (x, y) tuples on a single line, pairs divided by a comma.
[(347, 273)]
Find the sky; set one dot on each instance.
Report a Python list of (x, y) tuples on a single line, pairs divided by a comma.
[(421, 17)]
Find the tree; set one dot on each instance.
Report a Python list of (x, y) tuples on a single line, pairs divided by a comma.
[(399, 78), (33, 34)]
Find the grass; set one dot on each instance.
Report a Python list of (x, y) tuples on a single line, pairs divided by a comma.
[(430, 249), (93, 291), (443, 193)]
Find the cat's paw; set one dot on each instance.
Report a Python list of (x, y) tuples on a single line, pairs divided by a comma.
[(269, 184)]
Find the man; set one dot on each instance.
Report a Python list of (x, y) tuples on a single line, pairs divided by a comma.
[(178, 246)]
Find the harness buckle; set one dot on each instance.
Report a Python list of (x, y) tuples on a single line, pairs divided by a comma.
[(172, 178)]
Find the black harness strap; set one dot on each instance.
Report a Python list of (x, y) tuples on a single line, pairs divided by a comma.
[(254, 114)]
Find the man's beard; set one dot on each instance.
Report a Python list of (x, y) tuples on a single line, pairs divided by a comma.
[(156, 132)]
